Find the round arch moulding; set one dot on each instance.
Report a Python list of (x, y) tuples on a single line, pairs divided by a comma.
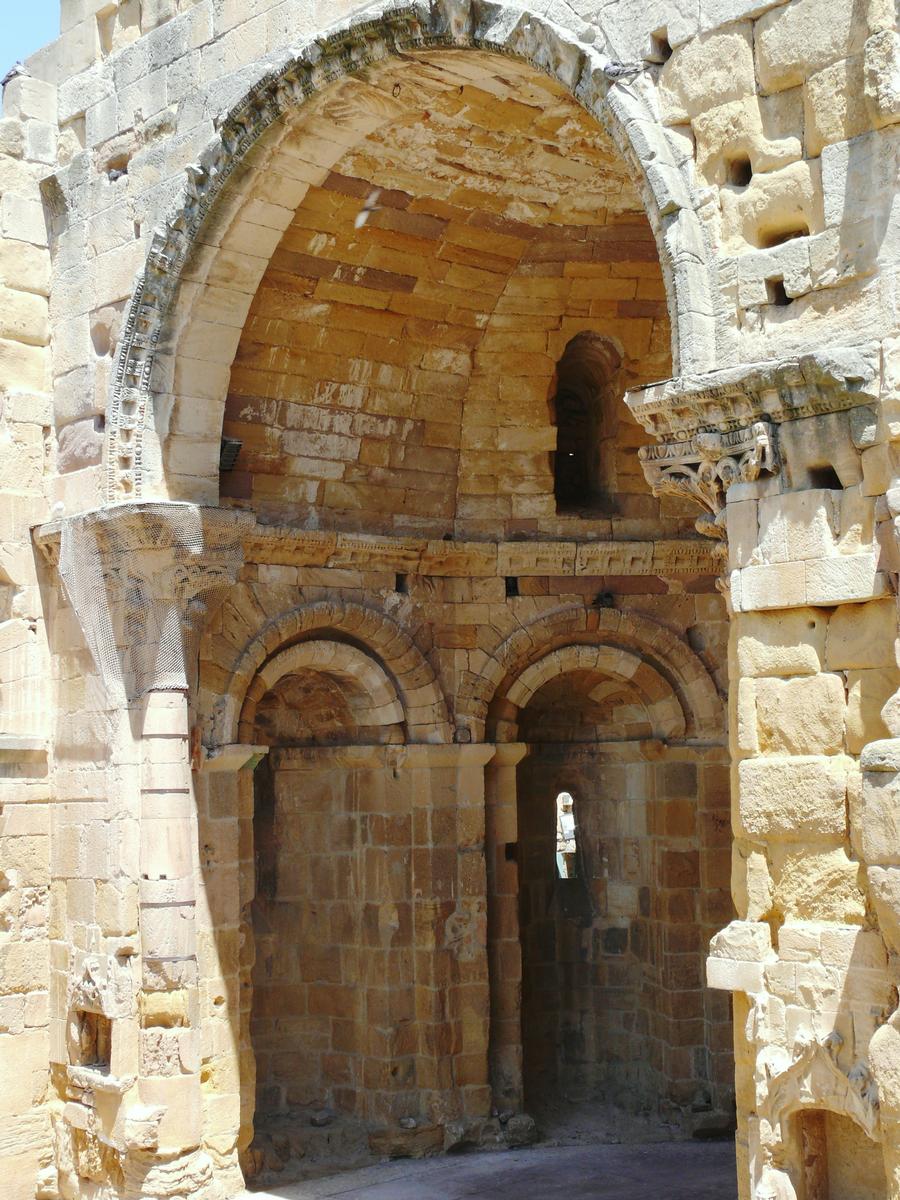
[(342, 661), (345, 639), (664, 712), (514, 671), (294, 75)]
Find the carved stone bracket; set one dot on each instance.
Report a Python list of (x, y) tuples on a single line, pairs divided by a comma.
[(703, 467), (142, 579)]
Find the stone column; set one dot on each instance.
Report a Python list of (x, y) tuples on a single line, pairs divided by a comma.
[(141, 578), (504, 946)]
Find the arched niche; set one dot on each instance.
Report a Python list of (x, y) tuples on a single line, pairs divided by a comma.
[(189, 306)]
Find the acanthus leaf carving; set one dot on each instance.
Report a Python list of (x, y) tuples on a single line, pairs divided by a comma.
[(703, 467)]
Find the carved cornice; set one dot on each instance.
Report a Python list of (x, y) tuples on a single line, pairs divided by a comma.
[(285, 545), (823, 382), (703, 467), (463, 559)]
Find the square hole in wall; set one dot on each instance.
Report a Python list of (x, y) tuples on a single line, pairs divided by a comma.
[(94, 1041)]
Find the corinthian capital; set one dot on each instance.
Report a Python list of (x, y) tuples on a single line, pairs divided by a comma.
[(704, 466)]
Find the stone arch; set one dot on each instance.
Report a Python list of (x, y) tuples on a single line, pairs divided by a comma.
[(664, 654), (205, 244), (364, 643), (664, 713), (375, 702)]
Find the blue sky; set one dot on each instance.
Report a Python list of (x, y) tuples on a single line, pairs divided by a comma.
[(25, 26)]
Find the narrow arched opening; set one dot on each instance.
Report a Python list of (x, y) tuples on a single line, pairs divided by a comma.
[(585, 403)]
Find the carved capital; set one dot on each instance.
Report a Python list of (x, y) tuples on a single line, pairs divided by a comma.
[(142, 579), (704, 466)]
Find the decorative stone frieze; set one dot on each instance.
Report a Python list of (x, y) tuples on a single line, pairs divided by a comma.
[(704, 467), (666, 556)]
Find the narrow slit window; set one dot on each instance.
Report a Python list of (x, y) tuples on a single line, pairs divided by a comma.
[(566, 841)]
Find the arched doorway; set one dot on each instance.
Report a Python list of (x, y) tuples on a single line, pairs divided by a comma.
[(620, 853), (332, 1020)]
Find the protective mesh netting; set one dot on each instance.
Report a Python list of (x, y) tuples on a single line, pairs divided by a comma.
[(141, 582)]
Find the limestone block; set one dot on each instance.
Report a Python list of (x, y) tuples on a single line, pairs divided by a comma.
[(24, 317), (24, 367), (23, 1070), (774, 206), (793, 799), (12, 138), (79, 445), (817, 884), (745, 128), (879, 832), (743, 531), (862, 635), (747, 737), (24, 267), (884, 887), (867, 693), (849, 946), (798, 525), (800, 942), (835, 105), (731, 976), (180, 1098), (781, 643), (751, 884), (710, 70), (748, 941), (882, 77), (22, 217), (857, 521), (40, 142), (795, 40), (846, 577), (803, 716), (884, 1058), (780, 585), (879, 469), (26, 97)]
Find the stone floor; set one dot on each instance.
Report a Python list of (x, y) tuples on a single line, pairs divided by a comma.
[(671, 1171)]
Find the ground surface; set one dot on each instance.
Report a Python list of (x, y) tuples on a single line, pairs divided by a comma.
[(671, 1171)]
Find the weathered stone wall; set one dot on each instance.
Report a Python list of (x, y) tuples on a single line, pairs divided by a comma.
[(27, 152)]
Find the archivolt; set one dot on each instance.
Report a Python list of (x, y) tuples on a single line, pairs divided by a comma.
[(663, 711), (197, 233), (374, 650), (511, 673)]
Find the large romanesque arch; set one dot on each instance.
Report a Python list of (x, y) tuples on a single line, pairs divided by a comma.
[(212, 223)]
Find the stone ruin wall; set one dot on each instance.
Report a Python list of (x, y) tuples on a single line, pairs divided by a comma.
[(765, 151)]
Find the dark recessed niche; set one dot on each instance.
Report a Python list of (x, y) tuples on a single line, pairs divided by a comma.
[(660, 50), (825, 477), (512, 585), (401, 584), (777, 237), (94, 1041), (739, 171), (229, 450), (776, 293)]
